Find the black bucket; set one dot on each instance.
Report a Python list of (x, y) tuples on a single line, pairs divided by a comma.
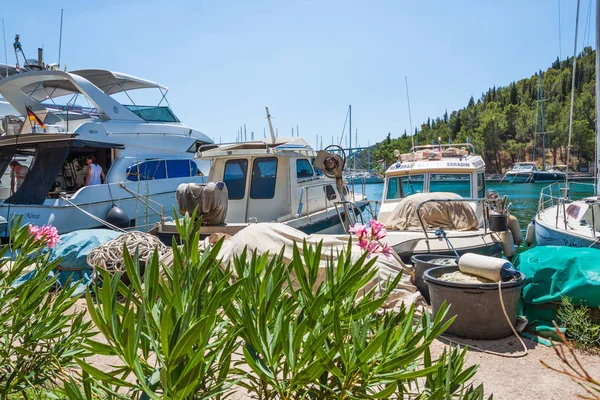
[(498, 222), (477, 306), (422, 263)]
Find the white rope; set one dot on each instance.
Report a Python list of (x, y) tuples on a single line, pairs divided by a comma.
[(109, 255), (95, 218)]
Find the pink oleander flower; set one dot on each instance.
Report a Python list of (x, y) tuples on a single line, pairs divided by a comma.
[(370, 239), (386, 250), (363, 244), (359, 230), (47, 234)]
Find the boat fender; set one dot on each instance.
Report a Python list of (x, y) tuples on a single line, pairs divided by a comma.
[(508, 244), (515, 229), (530, 236), (117, 217), (492, 268)]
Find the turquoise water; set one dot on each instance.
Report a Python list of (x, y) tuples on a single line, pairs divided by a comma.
[(523, 196)]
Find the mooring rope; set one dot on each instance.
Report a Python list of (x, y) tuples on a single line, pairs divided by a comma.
[(109, 255)]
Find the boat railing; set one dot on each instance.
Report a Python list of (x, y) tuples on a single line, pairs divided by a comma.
[(349, 214), (305, 196), (442, 146), (486, 202), (558, 195)]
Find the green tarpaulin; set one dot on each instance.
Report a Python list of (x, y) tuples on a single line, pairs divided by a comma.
[(554, 272)]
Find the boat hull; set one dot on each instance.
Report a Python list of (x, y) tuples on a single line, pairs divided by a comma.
[(408, 244), (546, 235)]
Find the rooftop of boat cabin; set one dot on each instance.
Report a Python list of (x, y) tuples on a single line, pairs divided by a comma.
[(287, 145)]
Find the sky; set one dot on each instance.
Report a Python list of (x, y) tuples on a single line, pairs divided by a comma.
[(225, 60)]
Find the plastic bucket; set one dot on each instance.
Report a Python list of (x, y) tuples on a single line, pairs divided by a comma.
[(422, 263), (476, 305), (498, 222)]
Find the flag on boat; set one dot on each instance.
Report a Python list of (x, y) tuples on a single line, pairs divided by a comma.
[(34, 118)]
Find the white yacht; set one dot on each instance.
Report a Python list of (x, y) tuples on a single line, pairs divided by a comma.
[(145, 151), (434, 201)]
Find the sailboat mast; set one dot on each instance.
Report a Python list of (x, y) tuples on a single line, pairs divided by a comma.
[(350, 129), (572, 96), (535, 129), (597, 98), (543, 132)]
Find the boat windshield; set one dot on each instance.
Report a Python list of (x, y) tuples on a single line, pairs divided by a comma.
[(401, 186), (520, 167), (453, 183), (153, 113)]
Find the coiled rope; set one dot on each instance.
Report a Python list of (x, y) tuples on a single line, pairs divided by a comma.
[(109, 256)]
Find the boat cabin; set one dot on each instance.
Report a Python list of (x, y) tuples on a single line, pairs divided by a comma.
[(272, 181), (451, 168)]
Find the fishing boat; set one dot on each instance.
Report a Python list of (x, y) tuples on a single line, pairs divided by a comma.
[(562, 220), (146, 151), (528, 172), (434, 202), (277, 180)]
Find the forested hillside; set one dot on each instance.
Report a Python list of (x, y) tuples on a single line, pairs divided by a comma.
[(501, 122)]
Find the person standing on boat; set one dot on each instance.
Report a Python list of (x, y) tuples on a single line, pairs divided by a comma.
[(18, 173), (95, 175)]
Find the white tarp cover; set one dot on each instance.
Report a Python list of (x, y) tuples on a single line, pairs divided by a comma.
[(456, 216), (271, 237)]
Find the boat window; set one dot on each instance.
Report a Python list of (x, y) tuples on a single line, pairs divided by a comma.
[(480, 185), (454, 183), (161, 169), (303, 169), (264, 173), (147, 171), (181, 168), (329, 192), (402, 186), (235, 178), (152, 113)]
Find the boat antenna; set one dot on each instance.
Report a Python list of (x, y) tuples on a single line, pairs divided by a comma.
[(572, 97), (60, 38), (5, 51), (270, 125), (597, 98), (412, 133)]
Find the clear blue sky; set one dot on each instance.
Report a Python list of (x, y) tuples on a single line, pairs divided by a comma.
[(223, 61)]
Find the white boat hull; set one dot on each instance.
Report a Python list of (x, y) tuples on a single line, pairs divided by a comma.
[(409, 243), (549, 235), (98, 200)]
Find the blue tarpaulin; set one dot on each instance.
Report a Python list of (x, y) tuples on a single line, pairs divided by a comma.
[(74, 248)]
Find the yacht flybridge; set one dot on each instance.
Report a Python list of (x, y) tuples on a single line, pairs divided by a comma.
[(145, 151), (434, 200)]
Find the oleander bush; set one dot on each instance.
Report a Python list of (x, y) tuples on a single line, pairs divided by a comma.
[(40, 336), (278, 330)]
